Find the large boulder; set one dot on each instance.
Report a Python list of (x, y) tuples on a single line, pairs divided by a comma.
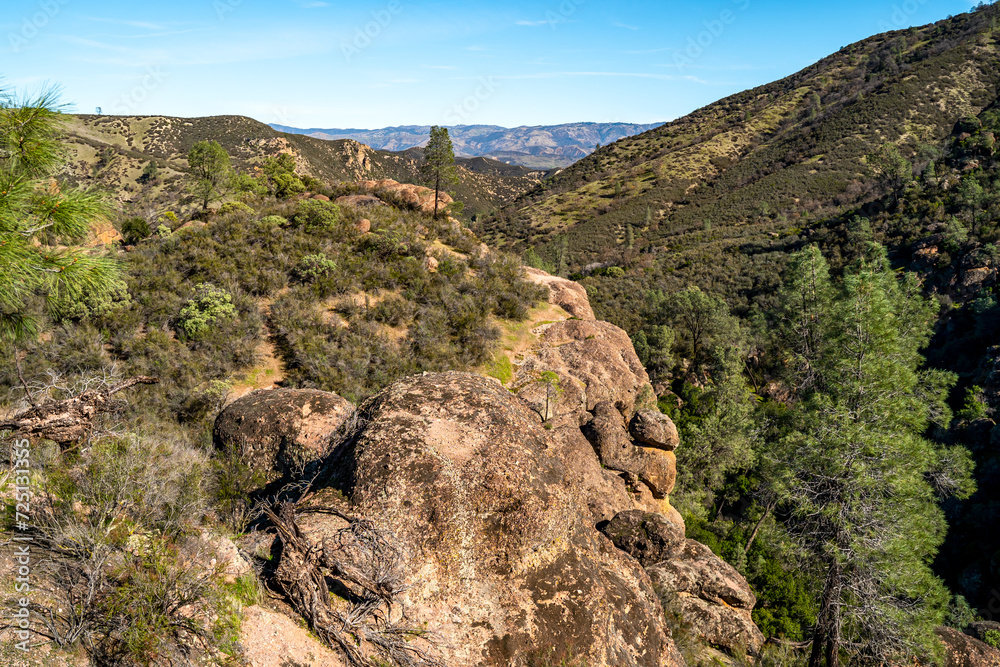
[(652, 428), (709, 595), (567, 294), (606, 432), (499, 556), (961, 650), (279, 431)]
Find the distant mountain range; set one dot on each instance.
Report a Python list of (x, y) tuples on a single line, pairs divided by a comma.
[(539, 147)]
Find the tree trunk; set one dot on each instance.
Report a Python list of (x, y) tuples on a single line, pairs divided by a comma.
[(827, 621), (437, 189), (753, 535)]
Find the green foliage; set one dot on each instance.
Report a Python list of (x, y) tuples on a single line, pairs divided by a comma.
[(701, 322), (210, 172), (717, 426), (315, 215), (992, 638), (98, 306), (960, 613), (439, 161), (41, 220), (856, 468), (975, 406), (235, 207), (888, 166), (314, 267), (209, 306), (279, 177), (135, 229)]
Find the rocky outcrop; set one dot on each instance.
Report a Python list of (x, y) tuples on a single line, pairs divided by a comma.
[(709, 595), (594, 361), (606, 432), (567, 294), (523, 524), (281, 430), (961, 650), (358, 201), (415, 196), (499, 556), (652, 428)]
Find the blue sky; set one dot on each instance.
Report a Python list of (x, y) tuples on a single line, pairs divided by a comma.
[(323, 63)]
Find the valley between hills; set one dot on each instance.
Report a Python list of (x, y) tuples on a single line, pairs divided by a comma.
[(722, 390)]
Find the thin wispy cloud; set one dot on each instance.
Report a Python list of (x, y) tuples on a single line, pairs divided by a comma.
[(144, 25), (315, 5), (619, 24), (633, 75), (445, 67)]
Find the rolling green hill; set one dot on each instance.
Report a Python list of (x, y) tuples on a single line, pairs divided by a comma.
[(113, 152), (683, 203)]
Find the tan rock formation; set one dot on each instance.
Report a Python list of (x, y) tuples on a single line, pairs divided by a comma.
[(281, 430), (961, 650), (710, 595), (569, 295), (500, 558)]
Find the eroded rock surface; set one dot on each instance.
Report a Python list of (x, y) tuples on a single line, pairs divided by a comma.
[(281, 430), (652, 428), (649, 537), (567, 294), (709, 595), (961, 650), (501, 558)]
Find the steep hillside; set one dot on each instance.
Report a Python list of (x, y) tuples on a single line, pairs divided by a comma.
[(538, 147), (114, 151), (761, 164)]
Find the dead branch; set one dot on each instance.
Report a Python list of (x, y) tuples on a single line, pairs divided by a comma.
[(71, 419), (369, 565)]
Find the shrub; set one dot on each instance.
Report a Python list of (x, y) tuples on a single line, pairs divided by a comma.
[(209, 305), (235, 207), (134, 230), (313, 267), (314, 215), (272, 222)]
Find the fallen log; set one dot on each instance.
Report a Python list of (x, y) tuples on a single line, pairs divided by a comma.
[(71, 419)]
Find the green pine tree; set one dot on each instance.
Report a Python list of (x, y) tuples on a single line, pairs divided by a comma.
[(42, 221), (861, 482), (439, 161), (210, 172)]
